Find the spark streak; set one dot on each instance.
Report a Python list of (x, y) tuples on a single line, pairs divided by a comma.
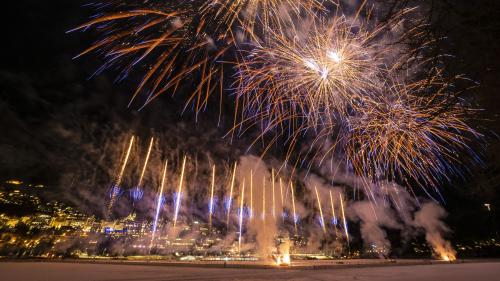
[(334, 217), (137, 191), (241, 217), (119, 179), (179, 192), (282, 199), (145, 162), (158, 204), (251, 194), (211, 204), (344, 220), (264, 199), (230, 199), (274, 201), (293, 207), (320, 210)]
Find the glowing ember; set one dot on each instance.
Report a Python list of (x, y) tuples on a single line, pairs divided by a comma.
[(448, 256), (283, 255), (286, 259)]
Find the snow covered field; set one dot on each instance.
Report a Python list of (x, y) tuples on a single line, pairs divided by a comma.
[(52, 271)]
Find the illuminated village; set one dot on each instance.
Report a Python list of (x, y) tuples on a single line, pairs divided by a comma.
[(57, 230)]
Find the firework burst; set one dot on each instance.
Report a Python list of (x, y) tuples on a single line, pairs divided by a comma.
[(259, 14), (405, 134), (297, 74), (174, 45), (313, 73)]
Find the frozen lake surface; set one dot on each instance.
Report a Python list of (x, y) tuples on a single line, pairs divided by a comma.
[(54, 271)]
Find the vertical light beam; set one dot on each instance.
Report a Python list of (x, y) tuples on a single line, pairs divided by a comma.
[(293, 207), (274, 201), (137, 192), (264, 199), (119, 179), (230, 195), (145, 163), (320, 210), (241, 216), (211, 204), (179, 192), (158, 203), (334, 217), (282, 200), (344, 220), (251, 194)]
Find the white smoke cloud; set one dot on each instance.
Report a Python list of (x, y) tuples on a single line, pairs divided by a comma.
[(429, 218)]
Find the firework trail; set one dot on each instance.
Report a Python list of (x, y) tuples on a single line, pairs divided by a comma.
[(241, 217), (179, 192), (251, 194), (158, 204), (344, 220), (282, 199), (211, 204), (119, 179), (155, 36), (295, 219), (274, 201), (334, 217), (137, 192), (230, 199), (322, 220), (264, 199)]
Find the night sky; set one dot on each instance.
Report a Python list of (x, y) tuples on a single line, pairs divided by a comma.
[(50, 110)]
